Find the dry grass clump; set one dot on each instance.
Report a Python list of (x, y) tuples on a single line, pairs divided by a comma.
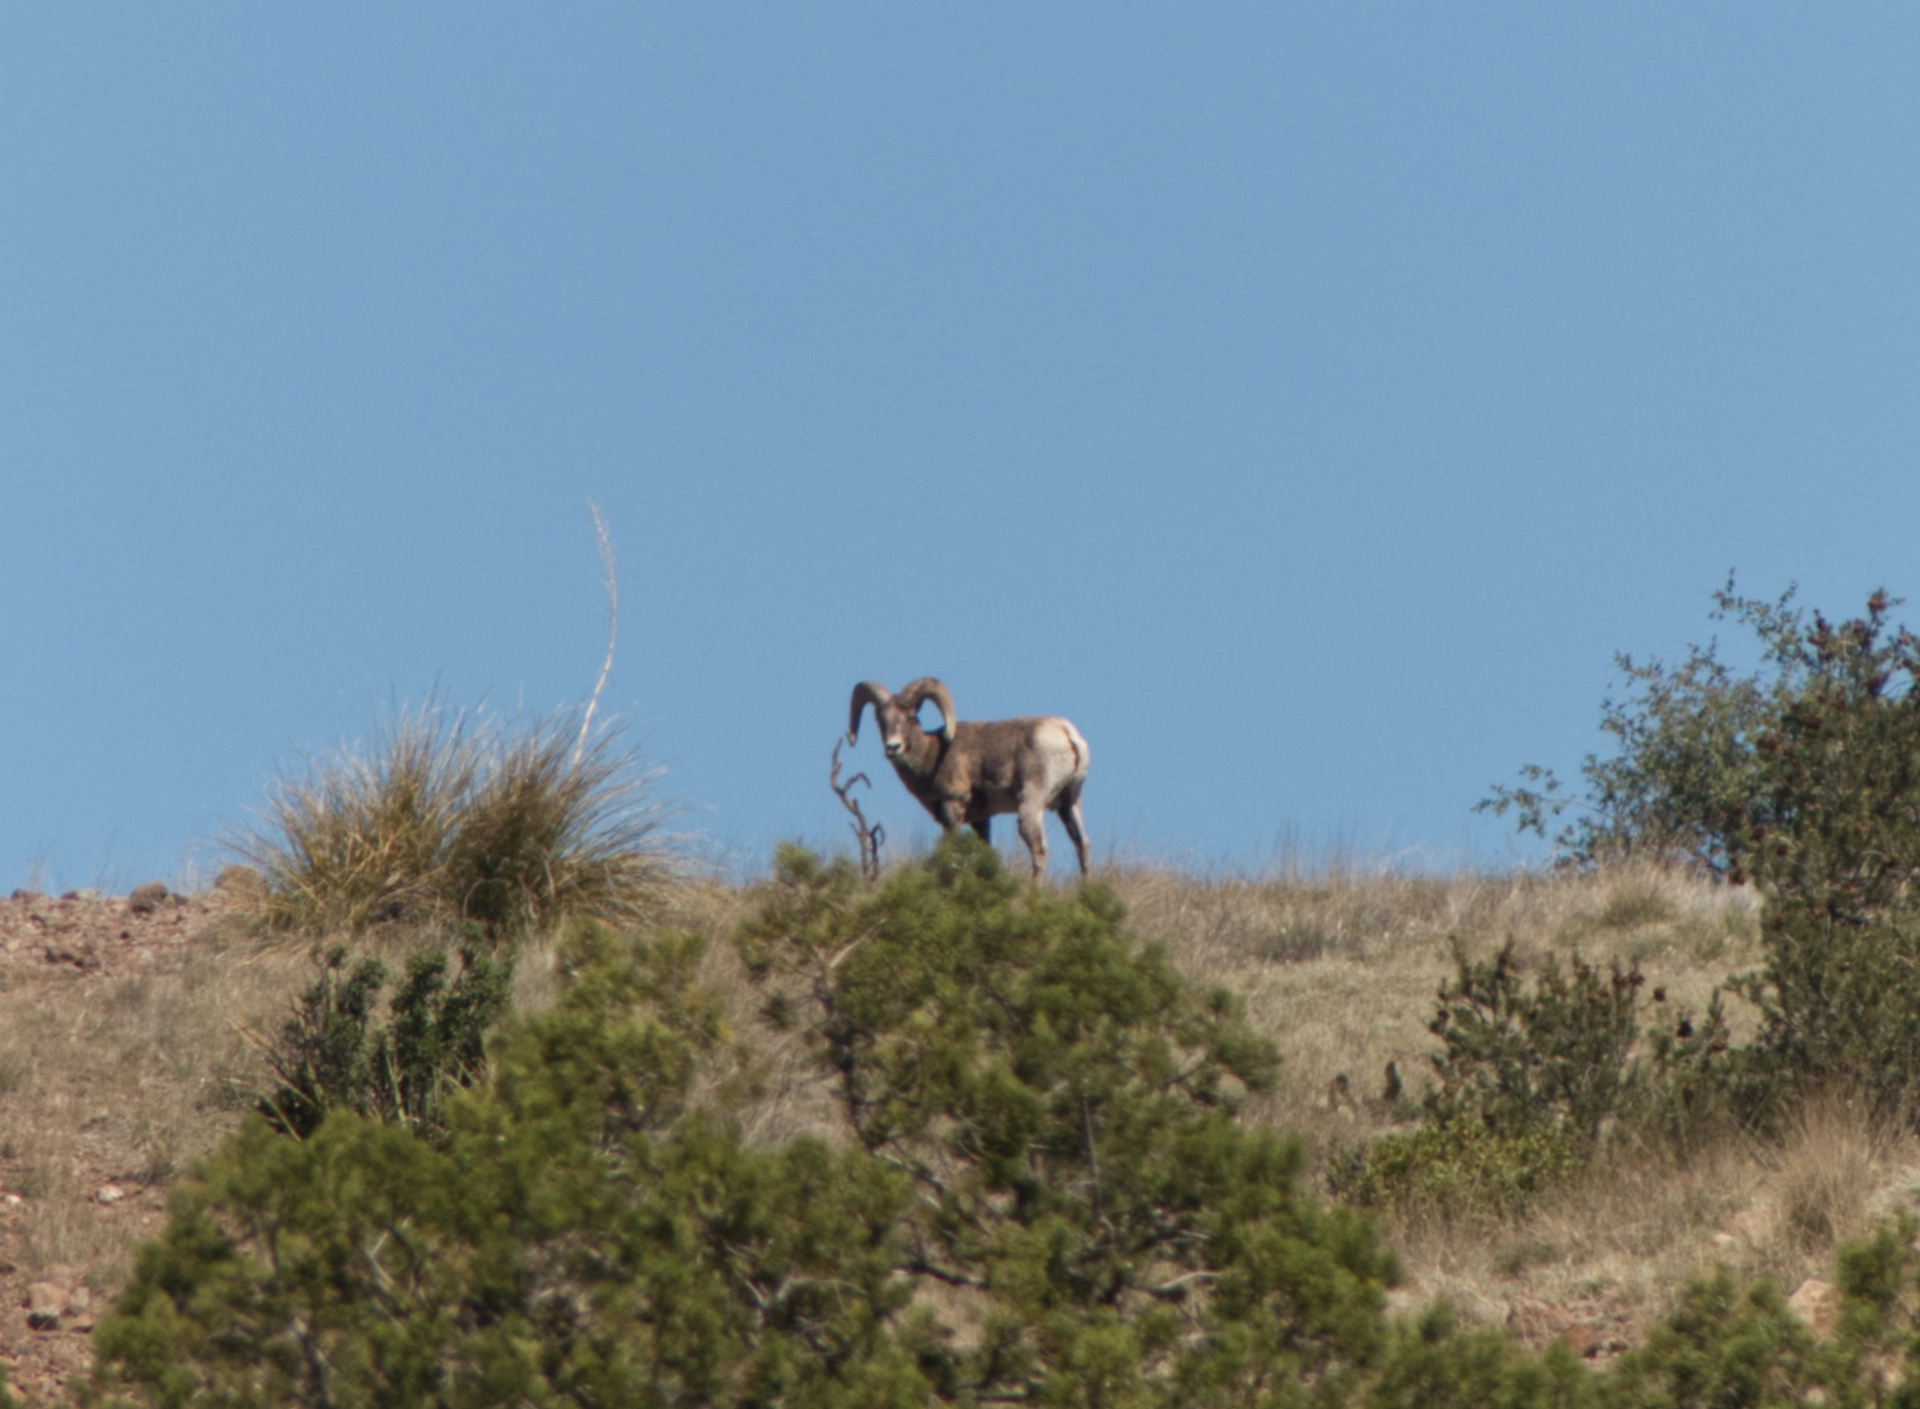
[(447, 818)]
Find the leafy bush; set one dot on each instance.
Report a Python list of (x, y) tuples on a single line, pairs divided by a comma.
[(444, 819), (1831, 834), (1063, 1104), (1435, 1364), (333, 1055), (579, 1235), (1721, 768), (1725, 1344), (1728, 1344), (1552, 1055), (1805, 779), (1043, 1195), (1458, 1169), (1531, 1075)]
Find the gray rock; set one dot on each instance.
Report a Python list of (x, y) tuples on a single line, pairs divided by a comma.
[(145, 899), (84, 893), (45, 1302)]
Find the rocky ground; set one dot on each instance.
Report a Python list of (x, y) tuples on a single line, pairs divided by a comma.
[(57, 956)]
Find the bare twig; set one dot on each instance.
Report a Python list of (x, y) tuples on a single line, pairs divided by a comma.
[(870, 836), (613, 626), (1177, 1288)]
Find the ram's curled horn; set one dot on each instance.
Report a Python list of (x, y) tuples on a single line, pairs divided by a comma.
[(928, 688), (864, 694)]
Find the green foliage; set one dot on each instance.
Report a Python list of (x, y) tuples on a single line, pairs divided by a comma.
[(1831, 834), (1840, 1009), (1550, 1055), (445, 820), (1043, 1196), (1459, 1169), (580, 1235), (333, 1054), (1044, 1193), (1737, 772), (1433, 1364), (1682, 765), (1804, 778), (1725, 1345), (1529, 1074), (1532, 1074), (1063, 1105)]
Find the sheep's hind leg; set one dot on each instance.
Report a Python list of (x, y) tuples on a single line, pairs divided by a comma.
[(1068, 811), (1033, 832)]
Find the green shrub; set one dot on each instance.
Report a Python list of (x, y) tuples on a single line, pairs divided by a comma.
[(581, 1234), (333, 1055), (1729, 1345), (1528, 1074), (1532, 1075), (1553, 1054), (1043, 1193), (1730, 771), (1805, 779), (1063, 1104), (1681, 767), (445, 820), (1434, 1364), (1459, 1169)]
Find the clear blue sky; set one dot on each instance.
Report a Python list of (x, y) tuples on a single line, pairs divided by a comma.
[(1306, 400)]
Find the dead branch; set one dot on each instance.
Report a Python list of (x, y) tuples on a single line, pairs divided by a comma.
[(870, 836)]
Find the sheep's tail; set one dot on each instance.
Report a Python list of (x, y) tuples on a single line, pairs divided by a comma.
[(1079, 745)]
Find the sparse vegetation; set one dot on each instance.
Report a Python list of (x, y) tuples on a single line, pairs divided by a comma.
[(945, 1137), (1623, 1235), (446, 818), (1044, 1134)]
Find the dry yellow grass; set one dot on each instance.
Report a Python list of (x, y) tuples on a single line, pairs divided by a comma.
[(122, 1080), (1341, 971)]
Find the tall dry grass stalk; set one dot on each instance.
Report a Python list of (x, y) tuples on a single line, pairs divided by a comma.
[(446, 817)]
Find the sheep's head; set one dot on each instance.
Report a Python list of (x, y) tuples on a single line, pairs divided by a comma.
[(897, 716)]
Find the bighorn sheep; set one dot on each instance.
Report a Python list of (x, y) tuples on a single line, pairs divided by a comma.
[(967, 771)]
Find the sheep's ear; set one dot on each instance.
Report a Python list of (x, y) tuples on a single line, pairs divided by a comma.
[(864, 694)]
